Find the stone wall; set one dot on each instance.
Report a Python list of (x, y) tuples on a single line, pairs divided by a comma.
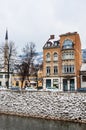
[(49, 105)]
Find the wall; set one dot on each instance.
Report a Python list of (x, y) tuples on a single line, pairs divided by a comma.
[(83, 83), (50, 105)]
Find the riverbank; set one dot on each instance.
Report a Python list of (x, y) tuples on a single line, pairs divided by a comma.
[(49, 105)]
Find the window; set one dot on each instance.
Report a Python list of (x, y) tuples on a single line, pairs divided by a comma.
[(6, 76), (1, 76), (26, 83), (48, 70), (55, 56), (55, 83), (0, 83), (55, 43), (67, 44), (6, 83), (48, 44), (48, 57), (68, 55), (84, 78), (68, 68), (17, 83), (55, 70)]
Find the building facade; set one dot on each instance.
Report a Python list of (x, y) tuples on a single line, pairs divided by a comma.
[(5, 76), (62, 62), (83, 75), (31, 81)]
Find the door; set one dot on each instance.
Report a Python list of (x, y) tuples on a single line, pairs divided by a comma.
[(65, 85), (72, 86), (48, 83)]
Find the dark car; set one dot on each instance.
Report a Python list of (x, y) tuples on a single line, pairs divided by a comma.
[(15, 88), (82, 90)]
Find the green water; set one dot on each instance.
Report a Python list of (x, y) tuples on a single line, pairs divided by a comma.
[(22, 123)]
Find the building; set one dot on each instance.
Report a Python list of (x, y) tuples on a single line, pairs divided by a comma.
[(62, 62), (5, 76), (84, 55), (31, 81), (83, 75)]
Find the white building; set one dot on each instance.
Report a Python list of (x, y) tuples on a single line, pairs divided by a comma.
[(83, 75)]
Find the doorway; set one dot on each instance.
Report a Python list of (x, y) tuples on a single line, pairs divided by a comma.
[(48, 83), (65, 85)]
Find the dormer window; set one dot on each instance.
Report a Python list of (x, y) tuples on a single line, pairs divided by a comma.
[(56, 43), (49, 44)]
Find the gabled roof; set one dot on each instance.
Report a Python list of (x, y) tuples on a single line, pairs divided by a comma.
[(52, 42)]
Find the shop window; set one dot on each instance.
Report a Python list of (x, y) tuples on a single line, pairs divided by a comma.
[(55, 83)]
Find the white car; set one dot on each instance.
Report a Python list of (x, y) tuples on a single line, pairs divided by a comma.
[(2, 88), (52, 89), (30, 89)]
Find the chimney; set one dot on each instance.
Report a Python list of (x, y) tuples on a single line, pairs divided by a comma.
[(52, 36)]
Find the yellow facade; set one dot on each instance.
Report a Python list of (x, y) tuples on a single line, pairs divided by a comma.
[(31, 81)]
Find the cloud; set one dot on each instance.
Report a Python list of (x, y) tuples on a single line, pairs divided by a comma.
[(35, 20)]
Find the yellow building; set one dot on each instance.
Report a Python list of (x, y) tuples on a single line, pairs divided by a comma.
[(32, 81)]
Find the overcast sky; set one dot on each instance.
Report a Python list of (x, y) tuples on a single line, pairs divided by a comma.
[(35, 20)]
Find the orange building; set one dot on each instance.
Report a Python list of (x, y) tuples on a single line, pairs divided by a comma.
[(62, 62)]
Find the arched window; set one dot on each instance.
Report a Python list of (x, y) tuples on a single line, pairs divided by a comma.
[(17, 83), (67, 44), (48, 57), (6, 83), (55, 56)]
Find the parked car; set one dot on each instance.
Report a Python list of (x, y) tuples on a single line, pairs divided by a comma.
[(3, 88), (51, 89), (81, 90), (30, 89), (15, 88)]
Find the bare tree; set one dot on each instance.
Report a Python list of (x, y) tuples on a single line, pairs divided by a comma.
[(26, 68), (29, 53), (22, 71)]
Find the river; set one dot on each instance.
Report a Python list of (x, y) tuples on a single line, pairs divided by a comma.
[(23, 123)]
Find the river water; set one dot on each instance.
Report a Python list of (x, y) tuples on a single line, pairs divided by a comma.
[(23, 123)]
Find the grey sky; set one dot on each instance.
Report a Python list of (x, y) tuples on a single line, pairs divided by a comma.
[(35, 20)]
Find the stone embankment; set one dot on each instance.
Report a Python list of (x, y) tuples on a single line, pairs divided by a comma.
[(49, 105)]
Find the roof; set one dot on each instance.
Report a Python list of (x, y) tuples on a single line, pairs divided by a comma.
[(52, 43), (69, 33)]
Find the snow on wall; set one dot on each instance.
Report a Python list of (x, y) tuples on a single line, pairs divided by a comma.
[(51, 105)]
